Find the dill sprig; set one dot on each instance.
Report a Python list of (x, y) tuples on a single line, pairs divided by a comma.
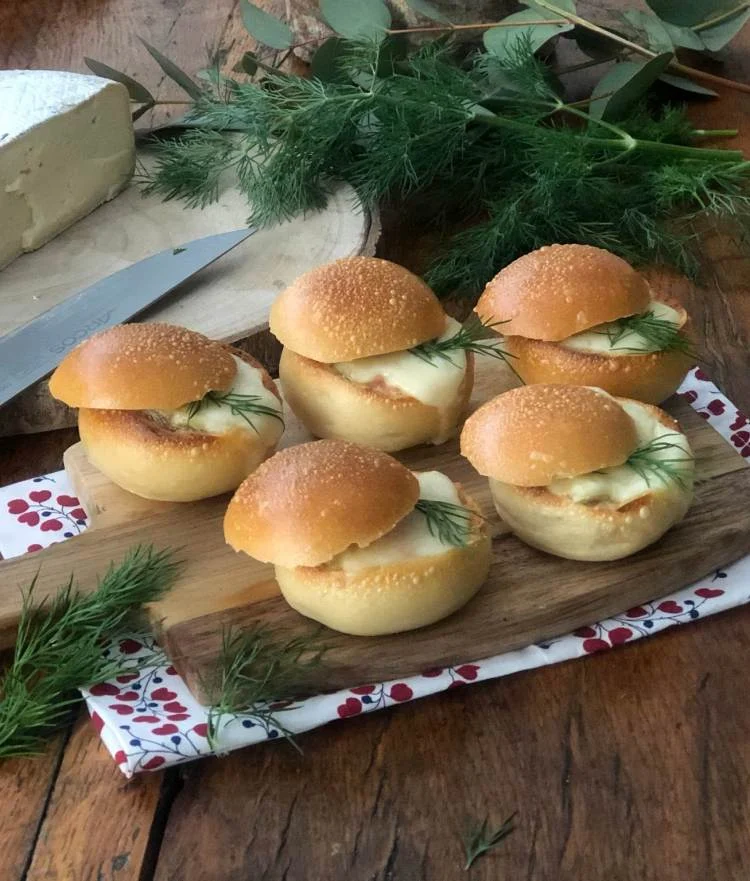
[(471, 337), (451, 524), (647, 462), (60, 647), (256, 671), (481, 839), (663, 335), (244, 406)]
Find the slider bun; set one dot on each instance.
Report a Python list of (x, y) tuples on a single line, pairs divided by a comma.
[(310, 502), (332, 406), (141, 367), (534, 434), (354, 308), (560, 290), (651, 377), (577, 531), (390, 598), (144, 455)]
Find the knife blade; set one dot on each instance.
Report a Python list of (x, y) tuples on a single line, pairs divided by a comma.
[(31, 352)]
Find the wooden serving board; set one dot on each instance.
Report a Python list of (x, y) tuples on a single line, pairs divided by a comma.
[(529, 595), (229, 300)]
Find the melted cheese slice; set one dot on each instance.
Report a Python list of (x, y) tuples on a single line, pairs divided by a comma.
[(435, 382), (410, 537), (596, 339), (622, 484), (214, 418)]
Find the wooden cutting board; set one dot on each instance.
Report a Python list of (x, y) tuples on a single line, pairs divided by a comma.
[(529, 595), (228, 301)]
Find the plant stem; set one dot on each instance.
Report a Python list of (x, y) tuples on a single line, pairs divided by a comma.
[(722, 16), (486, 25), (593, 62), (715, 133)]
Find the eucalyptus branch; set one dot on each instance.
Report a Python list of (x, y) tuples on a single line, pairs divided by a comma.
[(483, 26), (720, 17)]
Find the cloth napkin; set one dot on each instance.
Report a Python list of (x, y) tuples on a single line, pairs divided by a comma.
[(148, 719)]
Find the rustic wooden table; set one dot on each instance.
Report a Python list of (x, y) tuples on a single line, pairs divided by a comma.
[(631, 765)]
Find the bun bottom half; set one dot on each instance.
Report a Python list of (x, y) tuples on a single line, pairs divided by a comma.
[(387, 599), (650, 377), (576, 531), (330, 406), (152, 460)]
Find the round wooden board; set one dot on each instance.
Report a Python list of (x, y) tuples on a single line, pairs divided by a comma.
[(228, 300)]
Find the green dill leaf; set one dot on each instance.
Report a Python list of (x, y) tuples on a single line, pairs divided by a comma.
[(662, 335), (473, 337), (650, 465), (481, 838), (451, 524), (244, 406)]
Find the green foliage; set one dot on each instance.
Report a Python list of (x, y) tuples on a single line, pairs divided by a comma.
[(451, 524), (357, 19), (136, 91), (427, 10), (481, 839), (175, 73), (500, 41), (619, 90), (265, 27), (59, 647)]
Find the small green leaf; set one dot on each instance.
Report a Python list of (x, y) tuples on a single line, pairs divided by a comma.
[(689, 12), (682, 36), (686, 85), (593, 44), (657, 35), (264, 27), (357, 19), (136, 91), (325, 62), (247, 64), (175, 73), (500, 41), (716, 37), (427, 10), (624, 85)]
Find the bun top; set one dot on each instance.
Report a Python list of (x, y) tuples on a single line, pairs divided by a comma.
[(354, 308), (310, 502), (559, 290), (532, 435), (142, 367)]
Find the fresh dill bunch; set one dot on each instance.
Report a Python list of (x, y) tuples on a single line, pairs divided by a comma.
[(473, 337), (647, 462), (244, 406), (256, 669), (481, 838), (60, 642), (662, 334), (451, 524)]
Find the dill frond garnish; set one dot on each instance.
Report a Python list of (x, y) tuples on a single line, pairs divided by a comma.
[(60, 647), (481, 839), (649, 465), (451, 524), (662, 335), (471, 337), (256, 671), (244, 406)]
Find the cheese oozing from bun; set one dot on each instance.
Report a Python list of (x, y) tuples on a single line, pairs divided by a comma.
[(411, 537), (598, 339), (619, 485), (222, 412), (435, 382)]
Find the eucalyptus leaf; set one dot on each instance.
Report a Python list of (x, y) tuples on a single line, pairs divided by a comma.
[(325, 62), (137, 114), (686, 85), (247, 64), (716, 37), (689, 12), (684, 36), (357, 19), (595, 45), (657, 35), (136, 91), (624, 85), (427, 10), (175, 73), (264, 27), (501, 41)]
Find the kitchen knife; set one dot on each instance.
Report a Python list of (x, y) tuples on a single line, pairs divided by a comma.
[(31, 352)]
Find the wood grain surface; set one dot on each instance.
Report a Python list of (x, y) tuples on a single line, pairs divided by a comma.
[(632, 764)]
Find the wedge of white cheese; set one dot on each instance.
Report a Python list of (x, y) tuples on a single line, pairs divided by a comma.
[(66, 146)]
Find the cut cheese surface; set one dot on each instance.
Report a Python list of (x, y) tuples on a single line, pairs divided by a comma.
[(66, 146), (623, 484), (598, 341), (219, 418), (435, 382), (411, 537)]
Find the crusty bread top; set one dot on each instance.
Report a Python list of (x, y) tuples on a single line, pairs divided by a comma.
[(143, 367), (532, 435), (559, 290), (354, 308), (310, 502)]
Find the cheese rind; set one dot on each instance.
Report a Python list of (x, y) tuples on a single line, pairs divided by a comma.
[(597, 340), (435, 382), (66, 146), (410, 537)]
